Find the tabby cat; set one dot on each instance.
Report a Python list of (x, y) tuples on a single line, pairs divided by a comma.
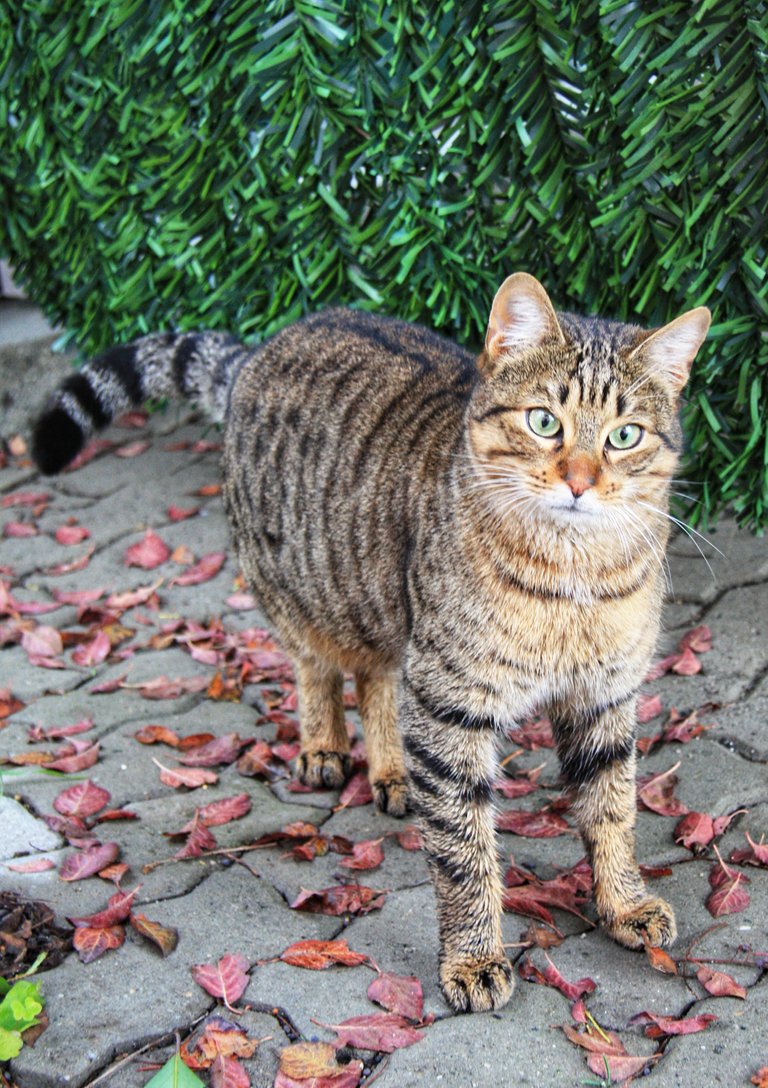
[(473, 539)]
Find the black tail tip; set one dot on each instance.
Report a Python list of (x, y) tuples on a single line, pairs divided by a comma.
[(57, 439)]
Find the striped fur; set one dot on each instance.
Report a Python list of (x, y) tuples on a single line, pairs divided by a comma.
[(398, 518)]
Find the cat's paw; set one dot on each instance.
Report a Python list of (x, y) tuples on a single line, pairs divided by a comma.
[(390, 795), (324, 769), (651, 921), (476, 985)]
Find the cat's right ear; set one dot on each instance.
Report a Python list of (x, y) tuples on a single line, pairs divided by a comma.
[(522, 317)]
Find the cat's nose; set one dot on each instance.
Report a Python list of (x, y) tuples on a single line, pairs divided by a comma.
[(580, 474)]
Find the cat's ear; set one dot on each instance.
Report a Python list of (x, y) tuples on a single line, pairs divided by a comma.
[(670, 350), (522, 317)]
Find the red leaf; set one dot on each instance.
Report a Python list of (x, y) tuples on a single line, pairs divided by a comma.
[(157, 734), (219, 750), (258, 762), (220, 812), (385, 1031), (227, 1072), (198, 841), (655, 793), (202, 571), (78, 762), (132, 449), (84, 799), (666, 1025), (147, 553), (401, 994), (757, 854), (356, 792), (534, 825), (660, 960), (19, 529), (365, 855), (410, 838), (37, 865), (43, 641), (719, 984), (77, 596), (687, 663), (117, 910), (24, 498), (242, 602), (226, 979), (191, 777), (163, 688), (178, 513), (534, 735), (339, 899), (317, 955), (698, 639), (572, 990), (729, 897), (90, 943), (123, 601), (37, 733), (73, 564), (620, 1066), (602, 1042), (71, 534), (696, 829), (92, 653), (316, 1065), (515, 787), (648, 707)]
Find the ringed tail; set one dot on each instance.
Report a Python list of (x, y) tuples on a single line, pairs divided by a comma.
[(195, 366)]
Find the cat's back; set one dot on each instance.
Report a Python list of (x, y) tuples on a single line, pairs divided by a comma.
[(338, 432)]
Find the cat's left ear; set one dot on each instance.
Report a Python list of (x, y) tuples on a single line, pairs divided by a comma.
[(670, 350)]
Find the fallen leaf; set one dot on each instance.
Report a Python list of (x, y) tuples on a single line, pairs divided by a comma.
[(43, 641), (687, 663), (132, 449), (316, 1065), (71, 534), (81, 761), (123, 601), (147, 553), (73, 565), (515, 787), (597, 1042), (37, 733), (227, 1072), (202, 571), (365, 855), (157, 734), (572, 990), (191, 777), (620, 1066), (221, 812), (117, 910), (719, 984), (226, 979), (36, 865), (410, 838), (224, 749), (178, 513), (199, 841), (163, 688), (384, 1031), (761, 1077), (648, 707), (318, 955), (356, 792), (19, 530), (258, 761), (83, 799), (535, 825), (660, 960), (698, 639), (25, 498), (695, 831), (666, 1025), (729, 897), (401, 994), (534, 735), (757, 854), (92, 942), (165, 937), (655, 793), (94, 652), (339, 899)]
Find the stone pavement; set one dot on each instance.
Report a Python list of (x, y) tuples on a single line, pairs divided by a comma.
[(111, 1019)]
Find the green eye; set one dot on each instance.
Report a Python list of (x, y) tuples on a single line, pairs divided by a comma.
[(626, 436), (543, 423)]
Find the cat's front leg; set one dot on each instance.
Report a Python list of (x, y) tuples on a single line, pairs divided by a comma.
[(451, 759), (597, 755)]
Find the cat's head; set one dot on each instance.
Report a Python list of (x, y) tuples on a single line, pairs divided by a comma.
[(574, 419)]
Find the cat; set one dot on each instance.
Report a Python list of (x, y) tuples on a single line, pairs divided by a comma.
[(474, 539)]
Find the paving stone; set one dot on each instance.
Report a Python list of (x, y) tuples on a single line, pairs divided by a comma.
[(23, 833)]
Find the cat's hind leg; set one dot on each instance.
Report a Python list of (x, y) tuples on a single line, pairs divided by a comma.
[(597, 755), (377, 702), (324, 758)]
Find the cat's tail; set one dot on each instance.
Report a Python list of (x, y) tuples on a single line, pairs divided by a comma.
[(197, 366)]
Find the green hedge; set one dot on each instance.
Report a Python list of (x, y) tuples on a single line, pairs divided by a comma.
[(233, 164)]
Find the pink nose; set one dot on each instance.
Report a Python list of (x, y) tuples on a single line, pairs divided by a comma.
[(580, 474)]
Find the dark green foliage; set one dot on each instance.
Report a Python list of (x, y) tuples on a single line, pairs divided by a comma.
[(232, 164)]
